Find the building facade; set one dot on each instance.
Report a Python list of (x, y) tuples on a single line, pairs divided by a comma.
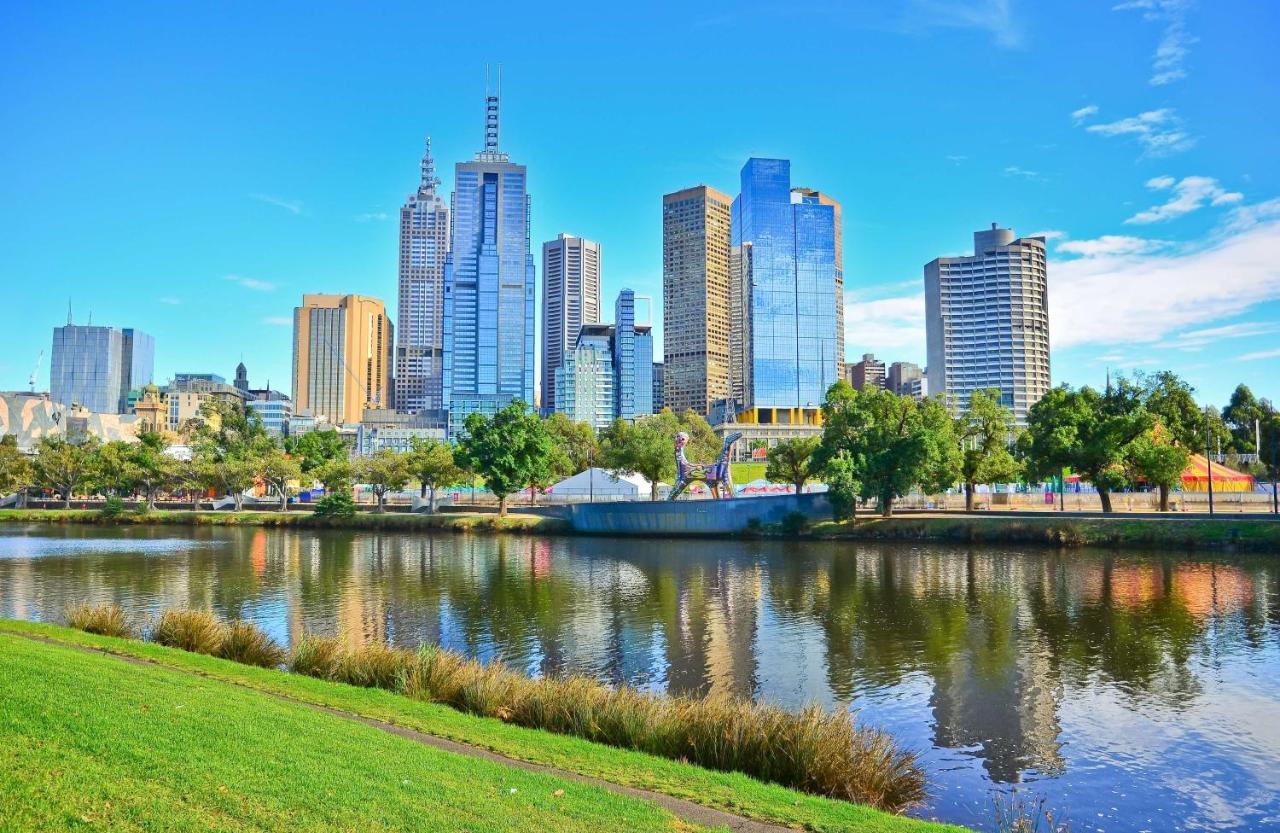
[(632, 360), (342, 356), (584, 382), (907, 379), (488, 285), (658, 374), (137, 364), (787, 294), (424, 247), (987, 321), (695, 298), (383, 429), (570, 298), (87, 367), (868, 373)]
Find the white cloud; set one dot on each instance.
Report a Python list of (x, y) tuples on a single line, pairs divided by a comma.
[(1083, 113), (1248, 216), (994, 16), (1208, 335), (371, 217), (885, 324), (292, 206), (169, 301), (1168, 63), (956, 157), (1049, 234), (1160, 132), (278, 321), (1263, 354), (1189, 194), (1014, 170), (1142, 298), (1110, 245), (251, 283)]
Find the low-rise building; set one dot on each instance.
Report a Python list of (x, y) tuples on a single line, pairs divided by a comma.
[(386, 429), (870, 372)]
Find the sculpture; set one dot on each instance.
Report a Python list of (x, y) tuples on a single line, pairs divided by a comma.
[(716, 475)]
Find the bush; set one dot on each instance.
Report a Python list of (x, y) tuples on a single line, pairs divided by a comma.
[(336, 505), (113, 508), (246, 643), (373, 666), (107, 620), (316, 656), (793, 523), (191, 630)]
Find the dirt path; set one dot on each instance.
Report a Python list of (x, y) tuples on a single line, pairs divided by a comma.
[(687, 810)]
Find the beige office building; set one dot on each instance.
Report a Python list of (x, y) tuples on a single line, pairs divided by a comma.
[(342, 356), (695, 298)]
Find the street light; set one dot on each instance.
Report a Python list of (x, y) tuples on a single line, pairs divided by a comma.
[(1208, 456)]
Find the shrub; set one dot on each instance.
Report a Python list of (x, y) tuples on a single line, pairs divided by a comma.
[(108, 620), (113, 508), (316, 656), (373, 666), (793, 523), (191, 630), (245, 642), (336, 505)]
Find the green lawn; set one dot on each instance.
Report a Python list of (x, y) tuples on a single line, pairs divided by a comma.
[(52, 700)]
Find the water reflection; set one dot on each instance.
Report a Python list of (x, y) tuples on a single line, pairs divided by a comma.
[(1086, 673)]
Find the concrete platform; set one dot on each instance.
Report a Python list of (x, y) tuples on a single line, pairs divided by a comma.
[(694, 517)]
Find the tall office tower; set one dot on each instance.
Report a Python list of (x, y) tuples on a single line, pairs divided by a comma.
[(906, 379), (585, 380), (488, 285), (644, 370), (424, 245), (632, 361), (837, 211), (137, 364), (695, 298), (868, 373), (342, 356), (787, 296), (659, 371), (570, 298), (85, 367), (987, 321)]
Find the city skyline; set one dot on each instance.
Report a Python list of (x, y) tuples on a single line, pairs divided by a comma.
[(1157, 196)]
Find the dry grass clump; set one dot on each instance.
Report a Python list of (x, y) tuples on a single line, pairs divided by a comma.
[(369, 666), (107, 620), (246, 643), (316, 656), (191, 630)]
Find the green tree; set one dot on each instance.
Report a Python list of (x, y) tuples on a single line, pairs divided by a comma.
[(1243, 415), (510, 450), (577, 448), (278, 470), (16, 471), (114, 469), (1156, 458), (1172, 404), (335, 475), (384, 472), (153, 470), (843, 486), (986, 433), (645, 447), (63, 467), (893, 443), (315, 448), (432, 464), (228, 445), (1088, 432), (791, 461)]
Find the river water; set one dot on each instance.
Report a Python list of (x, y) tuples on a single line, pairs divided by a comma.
[(1133, 691)]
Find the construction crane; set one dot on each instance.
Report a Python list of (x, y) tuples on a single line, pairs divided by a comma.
[(32, 381)]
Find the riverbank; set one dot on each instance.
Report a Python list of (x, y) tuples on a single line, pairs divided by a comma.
[(1173, 533), (130, 734)]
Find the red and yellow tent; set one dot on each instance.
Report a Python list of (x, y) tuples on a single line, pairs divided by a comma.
[(1196, 477)]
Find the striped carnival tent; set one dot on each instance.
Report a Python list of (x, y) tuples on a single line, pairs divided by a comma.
[(1196, 477)]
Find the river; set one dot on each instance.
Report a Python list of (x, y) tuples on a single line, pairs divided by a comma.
[(1133, 691)]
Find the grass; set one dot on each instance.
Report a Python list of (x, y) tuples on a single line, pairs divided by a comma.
[(108, 620), (197, 631), (733, 792), (245, 642), (90, 742)]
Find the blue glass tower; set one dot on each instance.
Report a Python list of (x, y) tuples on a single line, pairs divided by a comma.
[(488, 285), (785, 295)]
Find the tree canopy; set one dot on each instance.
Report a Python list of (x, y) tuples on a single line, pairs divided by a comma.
[(986, 435), (510, 450)]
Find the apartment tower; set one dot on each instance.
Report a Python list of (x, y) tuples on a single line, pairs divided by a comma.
[(987, 321), (695, 298), (342, 356), (570, 298)]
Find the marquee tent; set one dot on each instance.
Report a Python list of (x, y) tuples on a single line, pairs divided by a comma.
[(1196, 477), (601, 485)]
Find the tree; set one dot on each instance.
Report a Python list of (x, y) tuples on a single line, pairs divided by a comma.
[(891, 443), (790, 461), (432, 463), (152, 469), (384, 472), (1172, 403), (1088, 432), (986, 433), (227, 474), (577, 448), (645, 447), (510, 450), (1242, 415), (63, 467), (1156, 458), (114, 470), (843, 486), (335, 475), (278, 470), (315, 448), (229, 445), (16, 471)]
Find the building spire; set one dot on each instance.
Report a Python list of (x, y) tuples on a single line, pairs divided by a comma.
[(68, 312), (491, 102), (430, 182)]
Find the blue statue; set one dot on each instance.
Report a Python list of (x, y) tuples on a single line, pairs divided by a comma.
[(716, 475)]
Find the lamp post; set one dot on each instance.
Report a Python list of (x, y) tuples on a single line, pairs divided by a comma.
[(1275, 472), (1208, 457)]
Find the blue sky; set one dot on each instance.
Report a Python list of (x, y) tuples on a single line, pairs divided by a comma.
[(193, 169)]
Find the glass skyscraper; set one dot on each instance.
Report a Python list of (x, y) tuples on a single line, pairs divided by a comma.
[(785, 296), (424, 245), (137, 363), (97, 367), (488, 285)]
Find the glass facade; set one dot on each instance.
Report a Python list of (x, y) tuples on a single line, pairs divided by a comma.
[(787, 317), (424, 245), (85, 368), (488, 290), (137, 364), (585, 381)]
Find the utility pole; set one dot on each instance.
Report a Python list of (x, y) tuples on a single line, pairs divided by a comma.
[(1208, 457), (1275, 472)]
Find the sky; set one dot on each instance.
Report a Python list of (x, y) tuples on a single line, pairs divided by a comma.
[(192, 169)]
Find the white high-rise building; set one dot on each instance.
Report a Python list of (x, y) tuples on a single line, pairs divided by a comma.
[(424, 244), (987, 320), (570, 298)]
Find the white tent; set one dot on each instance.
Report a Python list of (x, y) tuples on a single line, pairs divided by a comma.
[(600, 485)]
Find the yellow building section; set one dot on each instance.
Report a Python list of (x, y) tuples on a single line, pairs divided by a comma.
[(780, 416)]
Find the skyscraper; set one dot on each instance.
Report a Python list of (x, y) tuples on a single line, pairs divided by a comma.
[(987, 321), (695, 298), (585, 380), (96, 367), (424, 245), (488, 284), (786, 296), (342, 356), (632, 360), (137, 364), (570, 298)]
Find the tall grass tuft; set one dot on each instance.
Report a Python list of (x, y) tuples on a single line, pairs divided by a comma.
[(373, 666), (246, 643), (316, 656), (191, 630), (107, 620)]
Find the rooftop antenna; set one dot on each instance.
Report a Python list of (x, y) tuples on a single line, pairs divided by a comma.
[(68, 311), (430, 181), (491, 102)]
